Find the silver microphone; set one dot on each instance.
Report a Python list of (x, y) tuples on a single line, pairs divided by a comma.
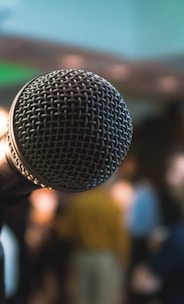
[(68, 130)]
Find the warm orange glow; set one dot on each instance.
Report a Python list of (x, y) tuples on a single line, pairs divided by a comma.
[(3, 149), (175, 174), (41, 218), (44, 203), (73, 61), (120, 71), (3, 121), (44, 200), (122, 193), (167, 84)]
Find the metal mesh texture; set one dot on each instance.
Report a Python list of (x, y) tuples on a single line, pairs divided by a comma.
[(72, 129)]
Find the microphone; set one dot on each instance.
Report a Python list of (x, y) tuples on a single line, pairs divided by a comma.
[(68, 130)]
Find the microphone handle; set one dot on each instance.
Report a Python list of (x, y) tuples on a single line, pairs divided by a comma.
[(13, 185)]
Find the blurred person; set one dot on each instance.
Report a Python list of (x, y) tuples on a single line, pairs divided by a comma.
[(144, 213), (143, 217), (47, 255), (62, 249), (40, 246), (16, 216), (11, 263), (2, 281), (93, 223), (164, 269)]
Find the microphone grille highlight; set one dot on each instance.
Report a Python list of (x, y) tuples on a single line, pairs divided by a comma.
[(69, 130)]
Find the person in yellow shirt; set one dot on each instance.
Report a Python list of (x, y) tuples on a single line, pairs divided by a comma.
[(94, 225)]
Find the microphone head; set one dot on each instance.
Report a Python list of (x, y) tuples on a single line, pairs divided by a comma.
[(68, 130)]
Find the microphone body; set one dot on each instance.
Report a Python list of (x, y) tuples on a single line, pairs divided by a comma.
[(68, 130), (12, 183)]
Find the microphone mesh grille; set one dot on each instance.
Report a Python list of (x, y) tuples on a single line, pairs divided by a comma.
[(72, 129)]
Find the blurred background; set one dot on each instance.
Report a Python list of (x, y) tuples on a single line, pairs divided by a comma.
[(139, 47)]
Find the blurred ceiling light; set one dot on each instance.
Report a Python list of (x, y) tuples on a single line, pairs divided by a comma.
[(72, 61), (167, 84), (120, 71), (3, 121)]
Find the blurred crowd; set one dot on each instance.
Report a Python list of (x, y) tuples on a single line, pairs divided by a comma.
[(111, 245)]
